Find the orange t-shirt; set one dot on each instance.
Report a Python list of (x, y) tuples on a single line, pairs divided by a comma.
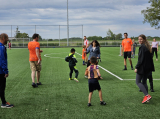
[(32, 46), (83, 54), (127, 44)]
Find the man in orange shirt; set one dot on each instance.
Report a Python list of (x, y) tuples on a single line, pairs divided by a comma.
[(127, 47), (35, 59)]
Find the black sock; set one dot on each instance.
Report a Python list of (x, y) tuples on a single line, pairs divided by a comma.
[(131, 66), (125, 67)]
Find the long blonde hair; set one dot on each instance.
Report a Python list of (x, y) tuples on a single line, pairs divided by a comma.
[(146, 43)]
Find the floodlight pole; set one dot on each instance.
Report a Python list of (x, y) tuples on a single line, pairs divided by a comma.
[(67, 26)]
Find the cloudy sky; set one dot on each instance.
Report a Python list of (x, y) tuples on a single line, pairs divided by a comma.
[(96, 16)]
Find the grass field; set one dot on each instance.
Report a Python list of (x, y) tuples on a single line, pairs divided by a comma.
[(66, 99)]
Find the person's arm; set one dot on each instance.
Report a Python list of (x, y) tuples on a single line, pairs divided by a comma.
[(98, 53), (3, 60), (99, 73), (88, 49), (37, 52), (122, 50), (140, 58), (152, 45)]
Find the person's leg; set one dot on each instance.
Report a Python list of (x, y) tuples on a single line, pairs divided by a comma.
[(156, 53), (90, 97), (71, 71), (38, 76), (76, 72), (151, 82), (2, 88), (125, 64), (88, 63), (100, 95), (141, 86), (33, 76)]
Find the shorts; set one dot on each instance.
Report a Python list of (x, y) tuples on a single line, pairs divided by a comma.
[(34, 66), (93, 84), (127, 54)]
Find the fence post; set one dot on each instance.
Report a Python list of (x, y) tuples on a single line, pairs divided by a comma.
[(47, 42), (23, 41)]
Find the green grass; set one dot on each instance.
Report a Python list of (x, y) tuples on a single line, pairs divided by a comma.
[(66, 99)]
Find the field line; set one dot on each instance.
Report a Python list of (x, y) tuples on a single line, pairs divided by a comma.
[(107, 70), (135, 79)]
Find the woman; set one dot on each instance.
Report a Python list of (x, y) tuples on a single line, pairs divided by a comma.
[(94, 50), (155, 48), (144, 66)]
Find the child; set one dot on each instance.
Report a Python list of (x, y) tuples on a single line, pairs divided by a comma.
[(84, 54), (71, 58), (93, 74), (9, 45)]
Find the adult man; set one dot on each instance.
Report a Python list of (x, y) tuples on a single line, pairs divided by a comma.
[(3, 70), (127, 47), (86, 42), (35, 59)]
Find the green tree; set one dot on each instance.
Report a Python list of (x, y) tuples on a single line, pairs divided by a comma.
[(119, 36), (22, 35), (152, 14), (111, 35)]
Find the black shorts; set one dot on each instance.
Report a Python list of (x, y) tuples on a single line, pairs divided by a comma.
[(93, 85), (127, 54)]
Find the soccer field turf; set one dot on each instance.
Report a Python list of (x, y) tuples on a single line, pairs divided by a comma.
[(59, 98)]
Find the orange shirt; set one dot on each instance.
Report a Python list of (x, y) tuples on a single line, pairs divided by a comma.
[(83, 54), (127, 44), (32, 46)]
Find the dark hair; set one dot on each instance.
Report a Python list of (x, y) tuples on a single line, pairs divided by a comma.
[(93, 60), (35, 36), (73, 50), (97, 43), (126, 34), (3, 35), (84, 46), (84, 36)]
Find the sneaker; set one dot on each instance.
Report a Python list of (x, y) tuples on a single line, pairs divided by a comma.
[(34, 85), (89, 104), (152, 90), (39, 83), (7, 105), (102, 103), (125, 69), (145, 99), (132, 68), (70, 78), (76, 79), (149, 97), (86, 77)]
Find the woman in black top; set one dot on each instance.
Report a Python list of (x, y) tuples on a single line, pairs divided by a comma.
[(144, 66)]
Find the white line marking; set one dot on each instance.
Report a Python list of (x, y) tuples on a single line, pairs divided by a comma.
[(135, 79), (107, 70)]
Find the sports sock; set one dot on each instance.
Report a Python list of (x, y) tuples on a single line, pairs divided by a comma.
[(125, 67), (131, 66), (83, 62)]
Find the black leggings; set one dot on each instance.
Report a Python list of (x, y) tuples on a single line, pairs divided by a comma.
[(2, 87), (141, 81), (71, 71), (154, 50)]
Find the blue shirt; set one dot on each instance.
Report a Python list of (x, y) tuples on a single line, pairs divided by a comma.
[(3, 59), (95, 53)]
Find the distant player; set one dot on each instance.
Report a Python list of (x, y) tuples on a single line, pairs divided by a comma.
[(84, 54), (155, 48), (9, 45), (127, 47), (35, 59), (134, 48), (93, 74), (71, 58), (86, 42)]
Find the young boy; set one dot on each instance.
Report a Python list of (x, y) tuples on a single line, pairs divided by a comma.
[(71, 58), (93, 74), (84, 54)]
